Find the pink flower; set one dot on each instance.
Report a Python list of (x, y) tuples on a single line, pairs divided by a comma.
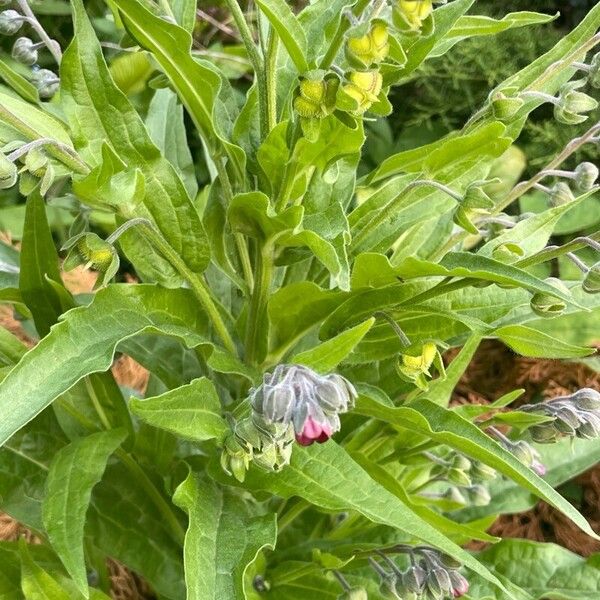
[(313, 431), (538, 468), (460, 586)]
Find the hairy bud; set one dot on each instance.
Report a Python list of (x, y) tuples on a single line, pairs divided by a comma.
[(93, 252), (585, 176), (482, 472), (46, 82), (571, 106), (414, 579), (10, 22), (25, 51), (505, 106), (587, 399), (438, 583), (593, 77), (369, 49), (8, 173), (363, 89), (460, 586), (316, 95), (475, 202), (413, 12), (591, 281), (478, 495), (560, 194), (547, 305)]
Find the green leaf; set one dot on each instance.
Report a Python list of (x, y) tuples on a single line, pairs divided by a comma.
[(535, 344), (35, 582), (171, 47), (325, 357), (117, 312), (17, 82), (447, 427), (288, 29), (99, 114), (221, 540), (74, 471), (326, 476), (191, 411)]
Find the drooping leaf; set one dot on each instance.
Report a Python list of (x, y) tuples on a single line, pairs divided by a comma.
[(74, 471)]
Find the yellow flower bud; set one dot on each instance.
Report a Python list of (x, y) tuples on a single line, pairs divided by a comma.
[(415, 12), (316, 97), (369, 82), (370, 48)]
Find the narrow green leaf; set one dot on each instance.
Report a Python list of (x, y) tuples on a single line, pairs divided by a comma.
[(535, 344), (17, 82), (35, 582), (288, 28), (449, 428), (327, 356), (74, 471), (192, 411), (221, 540)]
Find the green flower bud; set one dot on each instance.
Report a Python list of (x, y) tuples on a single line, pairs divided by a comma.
[(475, 202), (36, 162), (46, 82), (572, 105), (354, 594), (10, 22), (461, 462), (455, 496), (413, 580), (448, 561), (235, 457), (593, 77), (316, 95), (478, 495), (567, 419), (458, 477), (590, 428), (93, 252), (8, 173), (586, 175), (507, 252), (544, 433), (591, 281), (388, 587), (438, 583), (482, 472), (587, 399), (363, 88), (25, 51), (414, 12), (505, 107), (560, 194), (547, 305), (369, 49), (523, 452)]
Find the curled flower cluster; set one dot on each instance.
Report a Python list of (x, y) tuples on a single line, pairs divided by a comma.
[(431, 575), (577, 415)]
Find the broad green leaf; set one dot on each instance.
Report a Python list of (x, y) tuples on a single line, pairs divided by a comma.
[(447, 427), (191, 411), (166, 127), (99, 113), (325, 357), (17, 82), (288, 29), (117, 312), (535, 344), (35, 582), (221, 540), (74, 471), (544, 571), (326, 476), (196, 84)]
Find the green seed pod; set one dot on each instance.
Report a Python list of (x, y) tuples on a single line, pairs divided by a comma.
[(10, 22), (24, 51), (587, 399), (572, 105), (591, 281), (593, 77), (235, 457), (586, 175), (560, 194), (546, 305), (8, 173), (354, 594), (363, 88), (505, 107)]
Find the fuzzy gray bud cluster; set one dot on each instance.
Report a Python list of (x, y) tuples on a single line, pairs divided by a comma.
[(577, 415)]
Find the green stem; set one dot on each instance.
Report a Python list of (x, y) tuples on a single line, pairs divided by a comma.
[(289, 172), (554, 252), (271, 75), (197, 284), (255, 59), (256, 327), (288, 517)]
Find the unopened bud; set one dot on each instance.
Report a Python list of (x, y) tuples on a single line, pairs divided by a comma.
[(458, 477), (455, 496), (587, 399), (586, 175), (414, 579), (478, 495), (46, 82), (316, 95), (93, 252), (547, 305), (572, 105), (461, 462), (460, 586), (589, 429), (560, 194), (371, 48), (544, 433), (25, 51), (482, 472), (413, 12), (438, 583), (475, 202), (10, 22), (448, 561), (505, 107), (388, 586), (593, 77), (8, 173), (591, 281), (363, 88)]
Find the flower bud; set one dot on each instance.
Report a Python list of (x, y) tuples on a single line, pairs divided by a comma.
[(547, 305), (10, 22), (438, 583), (568, 419), (46, 82), (590, 427), (505, 107), (8, 173), (507, 252), (363, 88), (591, 281), (572, 105), (354, 594), (369, 49), (455, 496), (414, 12), (24, 51), (316, 95), (415, 369), (460, 461), (93, 252), (448, 561), (586, 399), (482, 472), (458, 477), (560, 194), (388, 586), (414, 579), (593, 77), (475, 202), (544, 433), (460, 586), (586, 175), (235, 457), (478, 495)]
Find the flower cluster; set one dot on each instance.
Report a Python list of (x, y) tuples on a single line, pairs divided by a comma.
[(293, 402), (577, 415), (431, 575)]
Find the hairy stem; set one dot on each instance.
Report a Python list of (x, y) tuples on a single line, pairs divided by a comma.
[(51, 44)]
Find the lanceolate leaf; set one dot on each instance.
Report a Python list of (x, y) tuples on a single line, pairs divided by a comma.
[(191, 411), (74, 471), (447, 427), (221, 540), (85, 342), (18, 83), (35, 582)]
